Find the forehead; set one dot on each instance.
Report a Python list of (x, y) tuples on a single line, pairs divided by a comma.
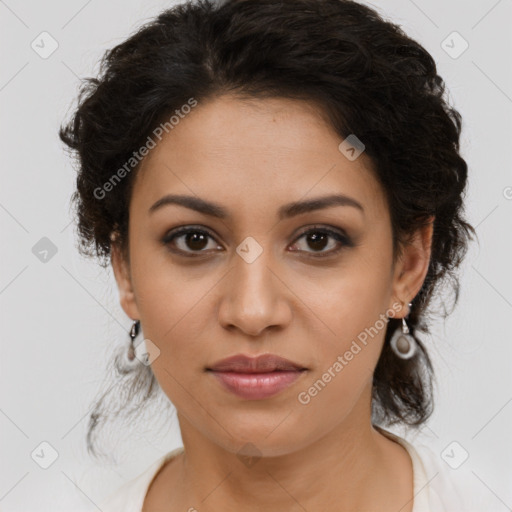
[(262, 151)]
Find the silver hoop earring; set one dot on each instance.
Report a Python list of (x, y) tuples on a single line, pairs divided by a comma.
[(134, 331), (402, 343)]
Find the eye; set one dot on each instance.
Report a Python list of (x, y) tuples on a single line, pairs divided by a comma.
[(318, 238), (191, 238)]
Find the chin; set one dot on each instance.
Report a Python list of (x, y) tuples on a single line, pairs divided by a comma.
[(263, 439)]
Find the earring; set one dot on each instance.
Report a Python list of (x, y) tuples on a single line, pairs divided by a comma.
[(402, 343), (134, 331)]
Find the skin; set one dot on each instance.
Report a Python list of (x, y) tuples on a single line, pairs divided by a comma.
[(252, 157)]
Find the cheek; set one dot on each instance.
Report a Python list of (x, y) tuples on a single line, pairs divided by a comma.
[(174, 310), (334, 393), (347, 319), (345, 306), (175, 320), (346, 352), (182, 344)]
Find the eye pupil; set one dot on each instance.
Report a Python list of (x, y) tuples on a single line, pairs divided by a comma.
[(315, 238), (196, 240), (189, 241)]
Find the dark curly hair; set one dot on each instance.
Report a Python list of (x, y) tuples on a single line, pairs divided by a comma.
[(366, 76)]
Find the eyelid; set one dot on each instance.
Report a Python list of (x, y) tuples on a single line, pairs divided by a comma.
[(322, 227), (183, 230), (338, 234)]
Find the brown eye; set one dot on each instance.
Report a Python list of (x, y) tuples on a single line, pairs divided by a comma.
[(189, 240), (318, 239), (196, 241)]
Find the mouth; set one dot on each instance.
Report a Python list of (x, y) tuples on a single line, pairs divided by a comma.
[(257, 386), (256, 378)]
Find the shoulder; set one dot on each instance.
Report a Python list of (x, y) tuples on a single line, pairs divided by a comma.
[(448, 489), (443, 487), (130, 496)]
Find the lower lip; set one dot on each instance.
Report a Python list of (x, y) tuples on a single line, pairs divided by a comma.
[(256, 386)]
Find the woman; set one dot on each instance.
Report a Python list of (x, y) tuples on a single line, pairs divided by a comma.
[(279, 190)]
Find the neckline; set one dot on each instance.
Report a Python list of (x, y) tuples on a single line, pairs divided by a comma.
[(420, 494), (421, 501), (153, 471)]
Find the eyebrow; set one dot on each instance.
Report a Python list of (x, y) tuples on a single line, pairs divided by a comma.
[(286, 211)]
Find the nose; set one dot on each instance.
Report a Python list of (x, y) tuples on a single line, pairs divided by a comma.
[(254, 297)]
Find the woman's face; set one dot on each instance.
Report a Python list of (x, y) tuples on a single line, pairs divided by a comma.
[(252, 282)]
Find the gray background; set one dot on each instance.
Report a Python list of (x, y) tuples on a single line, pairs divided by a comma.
[(60, 318)]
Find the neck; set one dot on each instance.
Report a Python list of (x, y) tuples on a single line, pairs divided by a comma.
[(353, 467)]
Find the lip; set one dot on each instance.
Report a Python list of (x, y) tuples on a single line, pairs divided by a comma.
[(256, 378), (264, 363)]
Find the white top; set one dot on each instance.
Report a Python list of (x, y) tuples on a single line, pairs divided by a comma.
[(437, 487)]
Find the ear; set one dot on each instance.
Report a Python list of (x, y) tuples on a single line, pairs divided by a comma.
[(124, 282), (412, 267)]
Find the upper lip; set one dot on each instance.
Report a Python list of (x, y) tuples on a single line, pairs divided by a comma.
[(261, 364)]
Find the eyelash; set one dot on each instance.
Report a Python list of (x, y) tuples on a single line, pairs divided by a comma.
[(339, 237)]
